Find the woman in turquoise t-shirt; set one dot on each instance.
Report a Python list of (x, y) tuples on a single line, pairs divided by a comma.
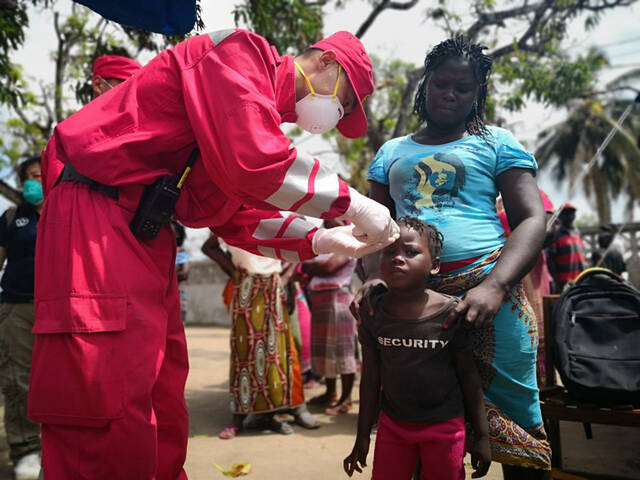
[(449, 174)]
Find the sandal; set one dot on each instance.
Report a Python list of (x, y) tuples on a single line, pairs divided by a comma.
[(228, 433), (282, 428)]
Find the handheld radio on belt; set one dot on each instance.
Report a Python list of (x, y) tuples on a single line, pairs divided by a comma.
[(158, 202)]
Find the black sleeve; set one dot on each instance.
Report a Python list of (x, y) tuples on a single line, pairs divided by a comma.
[(366, 330), (4, 231), (462, 341), (364, 334)]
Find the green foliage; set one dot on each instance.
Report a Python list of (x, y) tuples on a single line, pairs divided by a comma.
[(290, 25), (13, 21), (553, 80)]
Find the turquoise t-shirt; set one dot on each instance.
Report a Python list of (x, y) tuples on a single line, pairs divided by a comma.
[(452, 186)]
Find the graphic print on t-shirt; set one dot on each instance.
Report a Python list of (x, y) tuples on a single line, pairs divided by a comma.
[(441, 176)]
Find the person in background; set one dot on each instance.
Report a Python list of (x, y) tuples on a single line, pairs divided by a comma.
[(536, 284), (613, 258), (333, 327), (182, 266), (265, 375), (567, 251), (18, 231)]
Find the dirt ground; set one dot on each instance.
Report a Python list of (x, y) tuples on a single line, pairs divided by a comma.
[(318, 454)]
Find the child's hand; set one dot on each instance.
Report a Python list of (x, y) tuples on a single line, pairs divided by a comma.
[(480, 451), (358, 456)]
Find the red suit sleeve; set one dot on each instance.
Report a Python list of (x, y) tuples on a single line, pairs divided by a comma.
[(51, 167), (269, 233), (233, 114)]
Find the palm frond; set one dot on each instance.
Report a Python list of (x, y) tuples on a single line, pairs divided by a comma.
[(625, 78)]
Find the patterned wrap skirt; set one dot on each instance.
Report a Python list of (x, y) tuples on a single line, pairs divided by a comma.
[(505, 354), (333, 333), (265, 370)]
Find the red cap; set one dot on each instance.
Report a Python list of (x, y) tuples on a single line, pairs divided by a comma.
[(568, 206), (355, 62), (115, 66)]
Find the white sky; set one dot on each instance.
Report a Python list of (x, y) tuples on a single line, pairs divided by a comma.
[(405, 35)]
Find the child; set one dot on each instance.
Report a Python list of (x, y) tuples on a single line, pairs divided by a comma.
[(417, 356)]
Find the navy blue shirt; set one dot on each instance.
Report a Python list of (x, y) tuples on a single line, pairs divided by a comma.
[(19, 239)]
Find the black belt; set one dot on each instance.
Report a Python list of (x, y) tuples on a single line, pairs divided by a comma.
[(70, 174)]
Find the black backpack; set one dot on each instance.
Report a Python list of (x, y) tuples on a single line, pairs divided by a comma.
[(596, 338)]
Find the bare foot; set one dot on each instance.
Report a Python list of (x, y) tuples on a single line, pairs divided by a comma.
[(340, 409)]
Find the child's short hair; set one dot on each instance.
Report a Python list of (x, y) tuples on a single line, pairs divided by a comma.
[(434, 238)]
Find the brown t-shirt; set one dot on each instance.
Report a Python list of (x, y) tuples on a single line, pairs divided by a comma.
[(417, 371)]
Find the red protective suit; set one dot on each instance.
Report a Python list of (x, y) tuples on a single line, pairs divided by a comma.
[(110, 359)]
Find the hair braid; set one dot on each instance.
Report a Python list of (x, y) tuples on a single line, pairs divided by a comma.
[(434, 237)]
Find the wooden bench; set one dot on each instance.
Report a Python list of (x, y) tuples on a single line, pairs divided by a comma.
[(557, 405)]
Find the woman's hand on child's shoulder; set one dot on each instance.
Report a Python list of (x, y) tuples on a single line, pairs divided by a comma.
[(457, 313), (361, 305), (358, 456), (484, 302), (480, 450)]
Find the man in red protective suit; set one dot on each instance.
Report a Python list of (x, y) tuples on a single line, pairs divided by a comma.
[(110, 359)]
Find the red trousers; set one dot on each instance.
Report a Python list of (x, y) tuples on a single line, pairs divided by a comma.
[(440, 447), (110, 359)]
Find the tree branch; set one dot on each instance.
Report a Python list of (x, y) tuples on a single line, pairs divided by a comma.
[(57, 93), (10, 193), (521, 44), (374, 132), (496, 18), (413, 77), (378, 9)]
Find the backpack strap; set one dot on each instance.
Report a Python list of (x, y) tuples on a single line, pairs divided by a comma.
[(595, 271), (10, 214)]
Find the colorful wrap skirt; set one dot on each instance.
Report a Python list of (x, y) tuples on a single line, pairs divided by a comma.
[(505, 354), (265, 370)]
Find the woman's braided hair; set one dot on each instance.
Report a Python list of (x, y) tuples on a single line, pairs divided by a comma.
[(458, 47)]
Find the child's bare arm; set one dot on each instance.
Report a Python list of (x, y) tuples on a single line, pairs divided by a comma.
[(369, 400), (469, 378)]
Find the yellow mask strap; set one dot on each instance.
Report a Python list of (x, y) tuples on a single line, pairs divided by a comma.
[(306, 79), (335, 90)]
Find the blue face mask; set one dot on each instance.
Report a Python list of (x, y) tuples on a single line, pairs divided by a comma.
[(32, 191)]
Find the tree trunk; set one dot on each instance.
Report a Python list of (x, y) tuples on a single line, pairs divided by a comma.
[(601, 192), (10, 193)]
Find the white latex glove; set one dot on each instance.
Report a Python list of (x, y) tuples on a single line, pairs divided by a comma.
[(340, 240), (372, 220)]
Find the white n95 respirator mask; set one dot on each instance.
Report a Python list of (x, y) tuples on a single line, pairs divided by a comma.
[(318, 113)]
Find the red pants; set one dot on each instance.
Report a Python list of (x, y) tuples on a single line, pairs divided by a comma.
[(110, 360), (440, 447)]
